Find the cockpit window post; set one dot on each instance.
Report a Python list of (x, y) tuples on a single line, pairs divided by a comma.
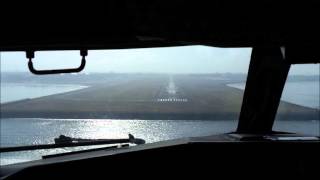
[(267, 75)]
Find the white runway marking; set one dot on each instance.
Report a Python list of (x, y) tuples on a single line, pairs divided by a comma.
[(171, 89), (172, 100)]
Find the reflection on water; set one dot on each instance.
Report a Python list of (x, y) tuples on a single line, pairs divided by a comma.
[(44, 130), (15, 132), (304, 93)]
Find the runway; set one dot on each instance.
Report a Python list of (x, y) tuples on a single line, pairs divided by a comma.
[(147, 96)]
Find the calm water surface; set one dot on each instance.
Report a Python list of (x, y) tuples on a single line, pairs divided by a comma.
[(41, 131), (18, 91), (21, 131), (305, 93)]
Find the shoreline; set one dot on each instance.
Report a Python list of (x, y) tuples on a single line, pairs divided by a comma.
[(137, 99), (240, 87), (77, 87)]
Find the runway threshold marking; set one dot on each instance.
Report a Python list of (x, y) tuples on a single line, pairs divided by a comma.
[(172, 100)]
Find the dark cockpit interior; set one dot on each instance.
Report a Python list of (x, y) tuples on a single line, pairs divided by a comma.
[(280, 34)]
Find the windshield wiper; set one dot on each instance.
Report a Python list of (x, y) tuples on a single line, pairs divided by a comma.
[(65, 141)]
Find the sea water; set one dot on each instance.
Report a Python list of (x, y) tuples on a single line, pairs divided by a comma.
[(22, 131), (19, 91)]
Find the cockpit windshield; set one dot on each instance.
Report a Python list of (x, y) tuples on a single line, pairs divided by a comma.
[(154, 93)]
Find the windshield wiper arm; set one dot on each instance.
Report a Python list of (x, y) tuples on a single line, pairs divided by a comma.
[(65, 141)]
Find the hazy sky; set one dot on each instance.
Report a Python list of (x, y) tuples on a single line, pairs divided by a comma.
[(190, 59)]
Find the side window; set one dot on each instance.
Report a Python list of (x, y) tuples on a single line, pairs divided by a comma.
[(299, 109)]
